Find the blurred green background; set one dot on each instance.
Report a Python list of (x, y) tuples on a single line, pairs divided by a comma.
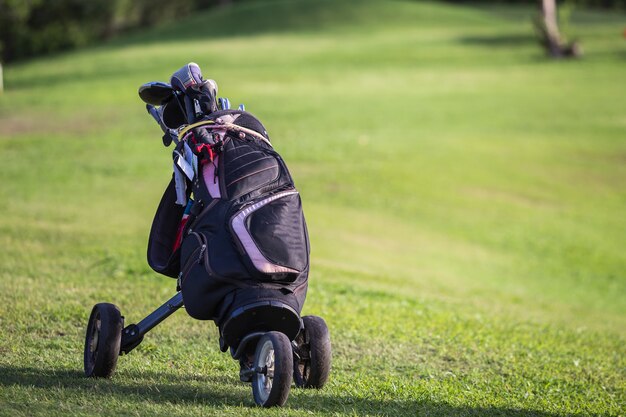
[(465, 197)]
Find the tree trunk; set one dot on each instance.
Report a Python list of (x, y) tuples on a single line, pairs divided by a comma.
[(549, 34), (548, 9)]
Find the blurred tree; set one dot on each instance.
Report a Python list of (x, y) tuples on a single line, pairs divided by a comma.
[(31, 27), (549, 35), (1, 76), (608, 4), (34, 27)]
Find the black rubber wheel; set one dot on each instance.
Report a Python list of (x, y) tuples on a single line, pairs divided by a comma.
[(102, 342), (273, 365), (312, 354)]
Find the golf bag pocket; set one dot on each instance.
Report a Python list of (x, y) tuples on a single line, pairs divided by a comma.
[(163, 256), (193, 256), (272, 237), (247, 168), (202, 290)]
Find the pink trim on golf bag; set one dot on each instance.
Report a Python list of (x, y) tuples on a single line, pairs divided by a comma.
[(238, 223), (210, 178)]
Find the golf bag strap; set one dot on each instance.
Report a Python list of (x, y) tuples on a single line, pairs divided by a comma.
[(210, 124)]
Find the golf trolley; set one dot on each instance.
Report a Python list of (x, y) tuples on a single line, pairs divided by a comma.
[(273, 344), (256, 310)]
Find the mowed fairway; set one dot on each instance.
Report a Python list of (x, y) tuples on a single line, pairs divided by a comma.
[(466, 200)]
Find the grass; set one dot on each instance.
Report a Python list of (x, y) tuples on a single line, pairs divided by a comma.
[(465, 198)]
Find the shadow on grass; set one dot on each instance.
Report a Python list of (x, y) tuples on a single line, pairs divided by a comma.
[(499, 41), (176, 389), (134, 386), (249, 19)]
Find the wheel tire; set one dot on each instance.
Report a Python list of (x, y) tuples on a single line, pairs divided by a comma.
[(273, 361), (102, 341), (313, 349)]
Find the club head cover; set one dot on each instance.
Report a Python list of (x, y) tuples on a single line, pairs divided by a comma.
[(156, 93), (189, 81), (188, 76), (172, 115)]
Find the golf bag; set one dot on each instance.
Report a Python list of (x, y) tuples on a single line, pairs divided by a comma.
[(245, 239)]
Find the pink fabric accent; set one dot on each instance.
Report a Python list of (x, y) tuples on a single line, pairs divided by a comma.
[(210, 178), (187, 135)]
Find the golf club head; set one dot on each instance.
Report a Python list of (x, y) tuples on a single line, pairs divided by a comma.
[(189, 76), (223, 103), (209, 87), (188, 80), (156, 93)]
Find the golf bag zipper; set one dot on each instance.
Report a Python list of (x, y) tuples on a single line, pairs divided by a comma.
[(194, 258), (204, 211)]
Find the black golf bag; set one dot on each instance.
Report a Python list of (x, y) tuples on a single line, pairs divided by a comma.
[(245, 239), (239, 248)]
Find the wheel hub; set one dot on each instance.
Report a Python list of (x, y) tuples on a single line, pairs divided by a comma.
[(265, 369)]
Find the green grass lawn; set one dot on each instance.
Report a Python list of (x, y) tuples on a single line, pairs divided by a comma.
[(466, 200)]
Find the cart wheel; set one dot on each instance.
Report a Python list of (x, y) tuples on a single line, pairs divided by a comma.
[(273, 370), (312, 354), (102, 342)]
